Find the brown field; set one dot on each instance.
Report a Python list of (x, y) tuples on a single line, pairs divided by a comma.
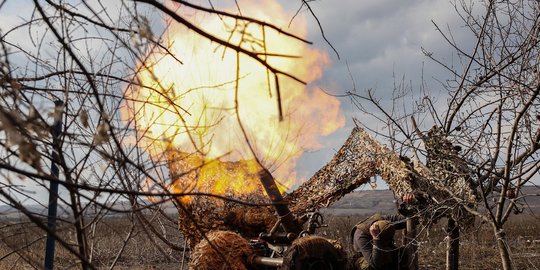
[(22, 245)]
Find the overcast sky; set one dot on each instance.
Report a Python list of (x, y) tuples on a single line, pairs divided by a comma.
[(378, 39)]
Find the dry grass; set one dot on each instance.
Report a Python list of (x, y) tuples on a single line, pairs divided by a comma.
[(22, 245)]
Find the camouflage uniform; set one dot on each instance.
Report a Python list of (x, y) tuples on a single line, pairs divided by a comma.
[(381, 254)]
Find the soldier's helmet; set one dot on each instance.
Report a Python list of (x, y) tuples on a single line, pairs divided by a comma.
[(387, 230)]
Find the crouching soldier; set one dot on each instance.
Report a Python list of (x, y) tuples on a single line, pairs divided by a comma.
[(373, 242)]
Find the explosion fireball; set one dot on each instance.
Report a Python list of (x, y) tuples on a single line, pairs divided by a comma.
[(212, 115)]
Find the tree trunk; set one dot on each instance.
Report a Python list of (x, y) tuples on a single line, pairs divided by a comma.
[(504, 251), (452, 246)]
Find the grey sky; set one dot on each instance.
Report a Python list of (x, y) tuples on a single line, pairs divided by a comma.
[(376, 38), (380, 40)]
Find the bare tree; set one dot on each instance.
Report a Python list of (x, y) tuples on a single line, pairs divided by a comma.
[(82, 56), (489, 113)]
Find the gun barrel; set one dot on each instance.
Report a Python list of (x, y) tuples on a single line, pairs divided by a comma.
[(282, 209), (267, 261)]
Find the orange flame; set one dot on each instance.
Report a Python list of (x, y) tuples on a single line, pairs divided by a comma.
[(195, 107)]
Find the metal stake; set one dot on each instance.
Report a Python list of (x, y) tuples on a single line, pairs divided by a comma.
[(53, 191)]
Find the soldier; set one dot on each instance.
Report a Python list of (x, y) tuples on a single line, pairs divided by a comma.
[(373, 242)]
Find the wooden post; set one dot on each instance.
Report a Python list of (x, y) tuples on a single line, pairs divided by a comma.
[(452, 245), (409, 241)]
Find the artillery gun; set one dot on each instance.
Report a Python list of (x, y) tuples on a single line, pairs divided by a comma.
[(286, 240)]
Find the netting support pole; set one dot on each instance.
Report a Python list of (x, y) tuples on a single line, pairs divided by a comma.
[(409, 241)]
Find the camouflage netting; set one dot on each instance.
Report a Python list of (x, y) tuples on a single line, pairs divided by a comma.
[(445, 178), (201, 214), (205, 215), (449, 170), (223, 250), (359, 159)]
